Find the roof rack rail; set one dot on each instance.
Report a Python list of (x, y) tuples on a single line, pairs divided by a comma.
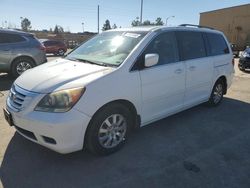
[(199, 26)]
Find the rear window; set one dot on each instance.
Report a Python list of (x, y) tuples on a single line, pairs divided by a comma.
[(217, 43), (191, 45), (11, 38)]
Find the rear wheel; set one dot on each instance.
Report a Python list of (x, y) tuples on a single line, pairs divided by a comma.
[(217, 93), (108, 130), (20, 65), (60, 52)]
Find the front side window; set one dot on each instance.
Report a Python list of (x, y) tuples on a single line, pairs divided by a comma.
[(191, 44), (108, 48), (165, 46), (218, 45)]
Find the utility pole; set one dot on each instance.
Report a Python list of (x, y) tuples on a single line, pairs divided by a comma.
[(21, 18), (82, 27), (168, 18), (141, 11), (98, 19)]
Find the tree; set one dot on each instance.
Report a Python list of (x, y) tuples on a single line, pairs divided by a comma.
[(147, 22), (114, 26), (158, 21), (135, 22), (58, 29), (106, 26), (25, 24)]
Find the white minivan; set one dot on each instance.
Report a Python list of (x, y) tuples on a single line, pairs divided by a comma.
[(117, 81)]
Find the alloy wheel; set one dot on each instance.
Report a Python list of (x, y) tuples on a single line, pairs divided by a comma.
[(112, 131)]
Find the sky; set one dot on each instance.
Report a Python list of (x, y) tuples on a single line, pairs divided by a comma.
[(70, 14)]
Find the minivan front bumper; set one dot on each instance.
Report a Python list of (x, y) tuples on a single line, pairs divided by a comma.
[(61, 132)]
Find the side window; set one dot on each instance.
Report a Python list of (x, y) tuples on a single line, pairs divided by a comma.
[(16, 38), (191, 45), (165, 46), (217, 43), (49, 43), (45, 43), (10, 38)]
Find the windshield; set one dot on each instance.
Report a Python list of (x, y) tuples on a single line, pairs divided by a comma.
[(108, 48)]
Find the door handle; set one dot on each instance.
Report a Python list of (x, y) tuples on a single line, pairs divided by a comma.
[(192, 68), (178, 71)]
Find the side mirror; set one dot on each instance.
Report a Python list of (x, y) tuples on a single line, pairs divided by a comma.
[(151, 60)]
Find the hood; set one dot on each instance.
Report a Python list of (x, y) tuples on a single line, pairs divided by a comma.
[(60, 74)]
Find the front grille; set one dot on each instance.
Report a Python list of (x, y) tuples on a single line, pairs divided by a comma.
[(19, 98), (16, 98)]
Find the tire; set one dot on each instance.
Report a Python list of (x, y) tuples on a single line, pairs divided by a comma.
[(217, 93), (241, 67), (20, 65), (61, 52), (103, 136)]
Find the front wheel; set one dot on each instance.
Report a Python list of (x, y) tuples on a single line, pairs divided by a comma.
[(217, 93), (60, 52), (108, 130)]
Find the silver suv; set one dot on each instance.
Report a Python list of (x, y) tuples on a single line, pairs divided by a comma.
[(19, 51)]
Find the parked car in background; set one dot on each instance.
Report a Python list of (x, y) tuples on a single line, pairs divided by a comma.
[(235, 50), (19, 51), (244, 62), (117, 81), (55, 47)]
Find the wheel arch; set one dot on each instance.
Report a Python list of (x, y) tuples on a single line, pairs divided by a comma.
[(23, 56), (126, 103), (224, 80)]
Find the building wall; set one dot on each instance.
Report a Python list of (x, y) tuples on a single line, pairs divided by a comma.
[(234, 22)]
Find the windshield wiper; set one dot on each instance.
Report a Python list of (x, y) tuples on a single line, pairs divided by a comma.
[(91, 62)]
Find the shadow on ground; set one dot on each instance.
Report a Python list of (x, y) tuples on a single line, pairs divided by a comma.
[(5, 82), (215, 140)]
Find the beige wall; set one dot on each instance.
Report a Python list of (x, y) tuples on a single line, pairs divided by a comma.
[(234, 22)]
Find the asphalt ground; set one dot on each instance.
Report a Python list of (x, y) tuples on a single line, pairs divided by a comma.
[(200, 147)]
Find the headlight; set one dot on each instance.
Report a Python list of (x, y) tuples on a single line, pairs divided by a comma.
[(60, 101), (245, 54)]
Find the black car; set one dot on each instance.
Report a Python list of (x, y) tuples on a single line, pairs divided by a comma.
[(244, 62)]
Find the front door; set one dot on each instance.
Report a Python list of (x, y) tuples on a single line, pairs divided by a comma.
[(163, 85)]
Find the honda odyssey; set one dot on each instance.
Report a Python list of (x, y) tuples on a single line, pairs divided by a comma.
[(117, 81)]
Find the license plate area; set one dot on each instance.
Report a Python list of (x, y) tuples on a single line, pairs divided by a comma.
[(8, 117)]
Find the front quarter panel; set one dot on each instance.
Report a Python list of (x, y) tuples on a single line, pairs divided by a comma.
[(114, 86)]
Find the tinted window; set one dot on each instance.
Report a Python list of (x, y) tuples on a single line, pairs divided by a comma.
[(45, 43), (217, 44), (165, 46), (191, 45), (48, 43), (10, 38), (54, 43)]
